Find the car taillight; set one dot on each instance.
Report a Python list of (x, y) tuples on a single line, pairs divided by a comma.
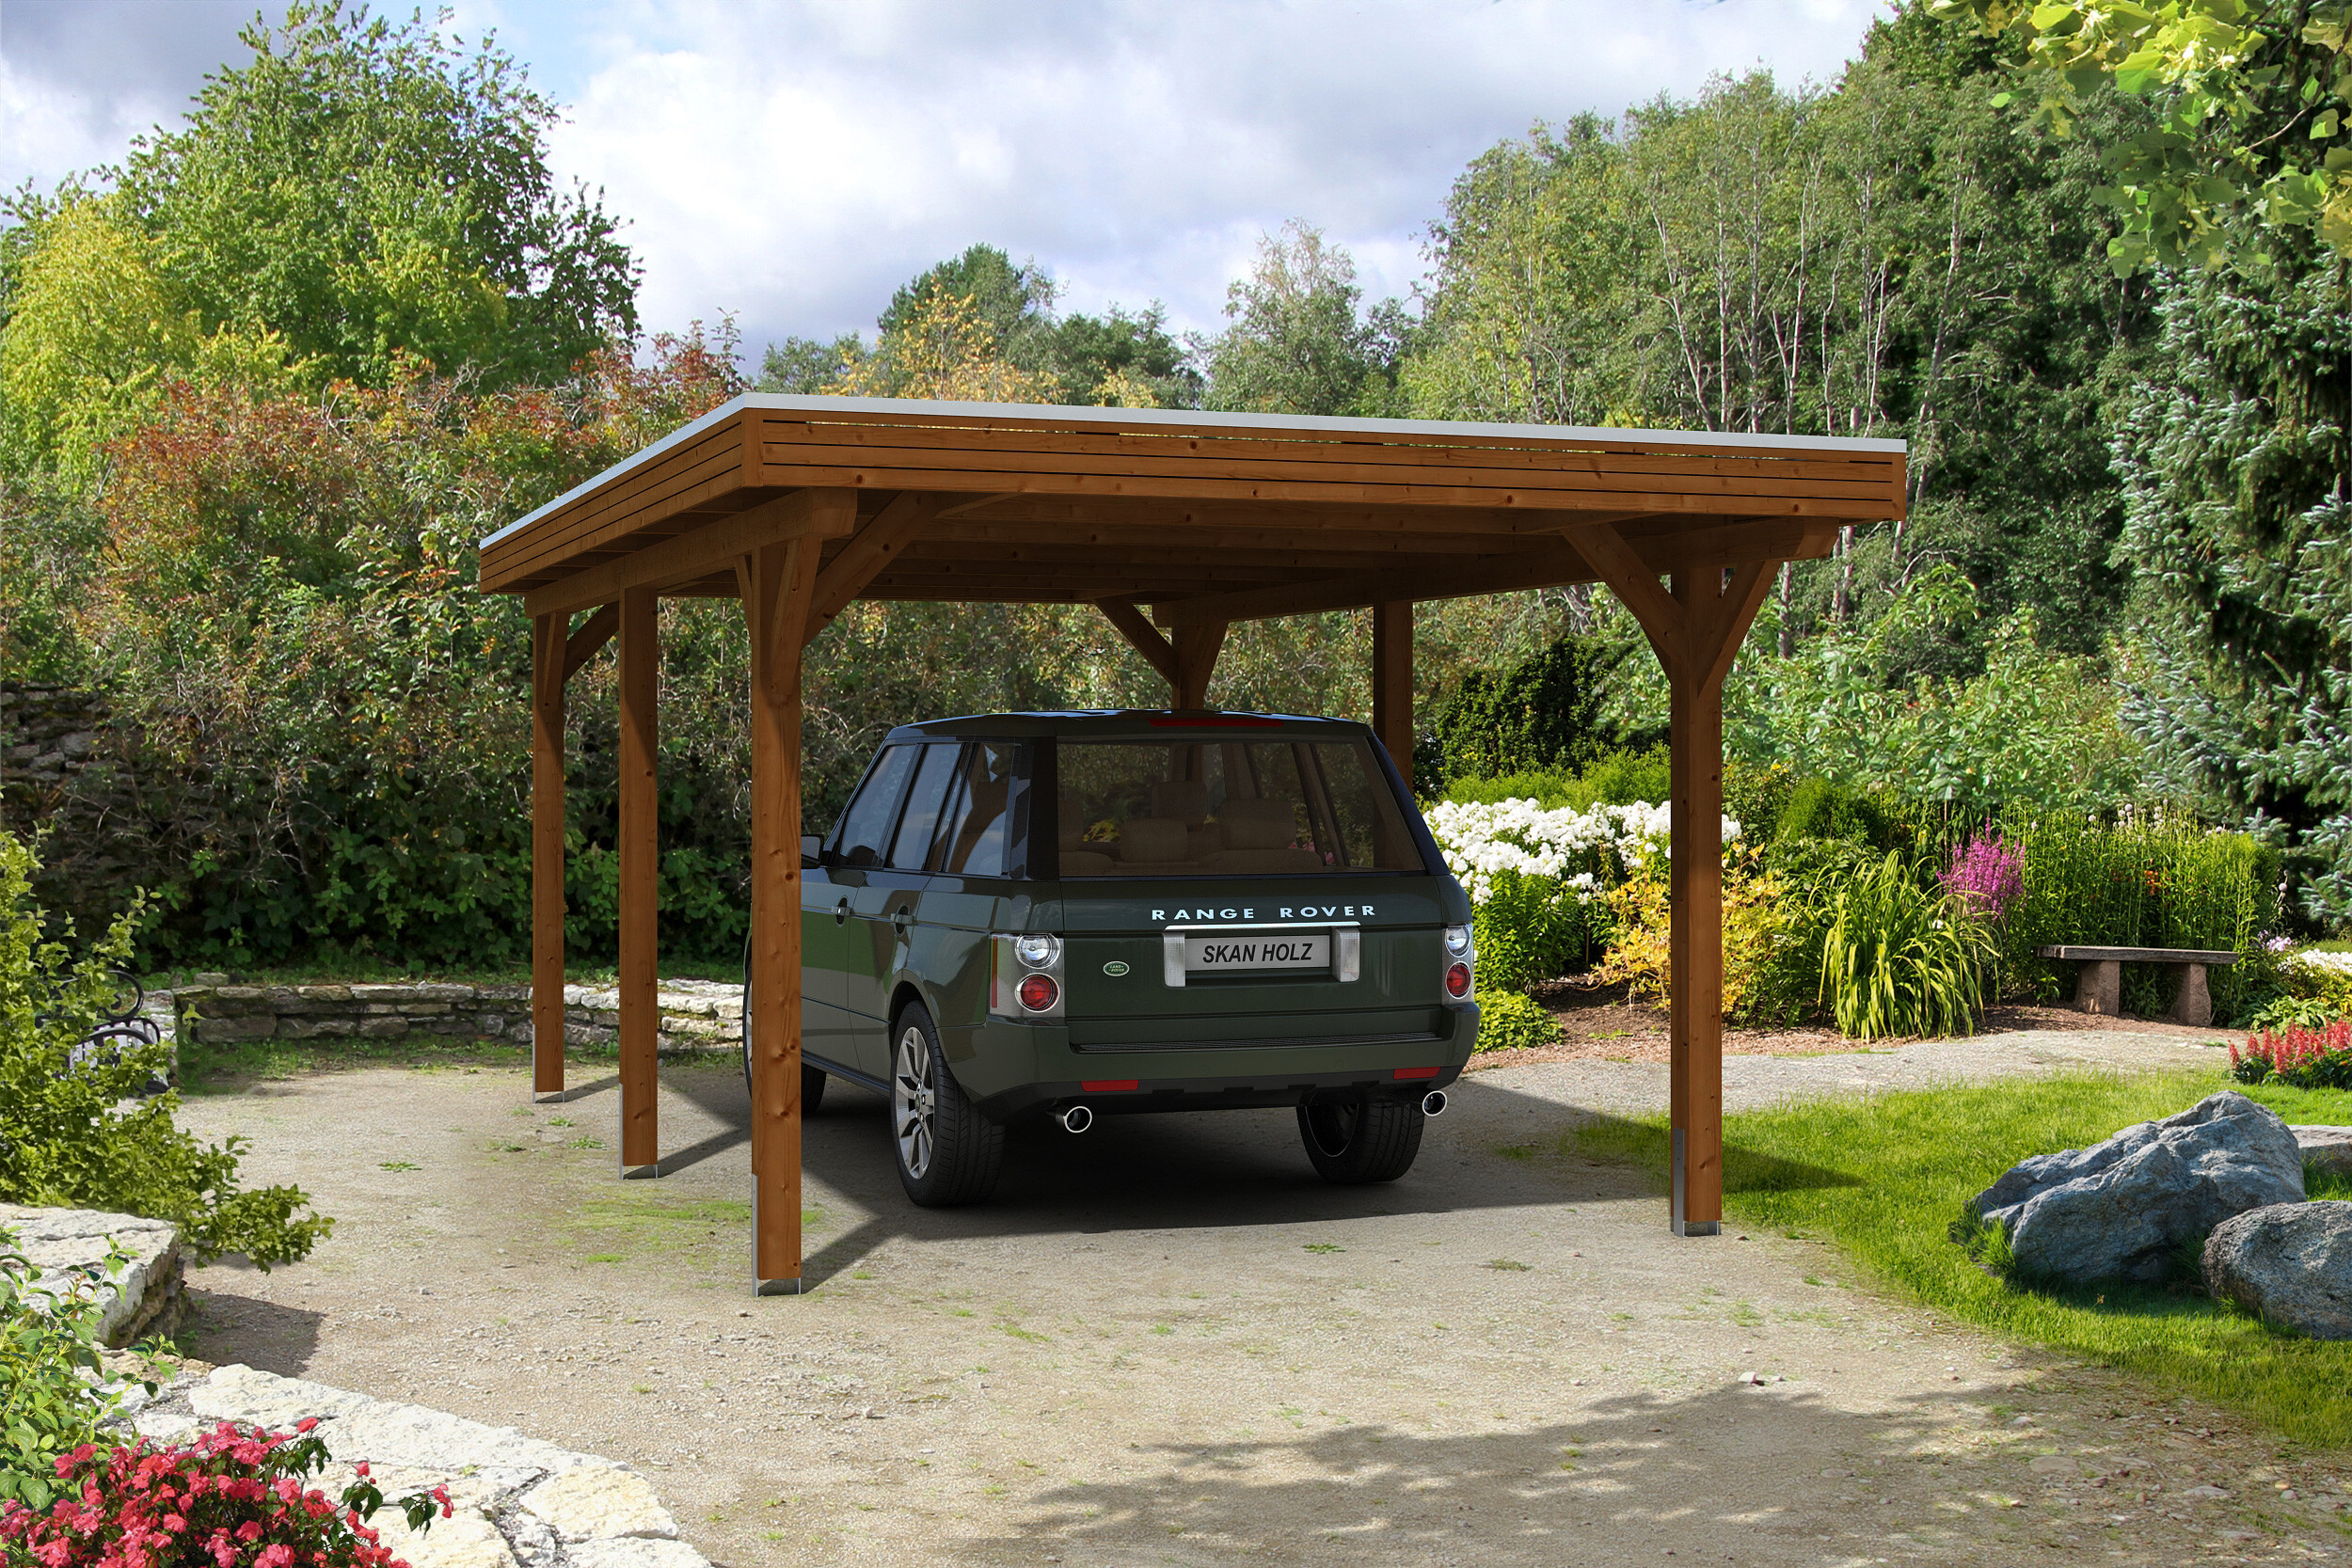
[(1038, 993), (1458, 981)]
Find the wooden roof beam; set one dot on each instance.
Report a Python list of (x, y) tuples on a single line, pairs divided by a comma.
[(1549, 565), (699, 552), (1157, 651)]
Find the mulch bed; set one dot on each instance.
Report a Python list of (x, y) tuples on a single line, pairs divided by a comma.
[(1603, 1023)]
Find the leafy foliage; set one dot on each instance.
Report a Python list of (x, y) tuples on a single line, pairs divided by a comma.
[(1899, 961), (1298, 342), (1512, 1020), (55, 1388), (369, 189), (1545, 715), (2251, 98), (72, 1129)]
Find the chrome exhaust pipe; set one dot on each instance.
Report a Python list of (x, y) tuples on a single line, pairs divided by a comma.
[(1433, 1103), (1074, 1118)]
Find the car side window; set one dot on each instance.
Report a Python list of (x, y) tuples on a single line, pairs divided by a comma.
[(868, 821), (972, 836), (912, 845)]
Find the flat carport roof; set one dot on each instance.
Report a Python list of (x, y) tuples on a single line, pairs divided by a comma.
[(1175, 525)]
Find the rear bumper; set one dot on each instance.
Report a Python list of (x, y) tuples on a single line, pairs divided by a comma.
[(1206, 1078), (1203, 1094)]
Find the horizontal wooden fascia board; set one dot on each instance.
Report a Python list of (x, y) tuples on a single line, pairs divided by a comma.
[(1159, 425), (1112, 487), (995, 469), (698, 477), (1158, 452), (686, 557), (707, 468)]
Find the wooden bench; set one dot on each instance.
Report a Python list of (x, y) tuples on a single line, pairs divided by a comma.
[(2099, 989)]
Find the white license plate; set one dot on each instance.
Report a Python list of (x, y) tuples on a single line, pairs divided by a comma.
[(1221, 954)]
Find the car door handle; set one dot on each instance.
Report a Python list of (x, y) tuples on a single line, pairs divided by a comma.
[(900, 919), (841, 913)]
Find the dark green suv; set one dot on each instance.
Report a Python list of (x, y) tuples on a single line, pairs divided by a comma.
[(1080, 914)]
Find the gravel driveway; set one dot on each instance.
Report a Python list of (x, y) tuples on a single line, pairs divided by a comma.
[(1167, 1343)]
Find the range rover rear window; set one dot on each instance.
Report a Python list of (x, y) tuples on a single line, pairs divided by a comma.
[(1228, 808)]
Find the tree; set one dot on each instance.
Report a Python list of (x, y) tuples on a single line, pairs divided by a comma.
[(1012, 306), (941, 344), (1538, 271), (1298, 344), (2238, 494), (369, 190), (807, 366), (2254, 103)]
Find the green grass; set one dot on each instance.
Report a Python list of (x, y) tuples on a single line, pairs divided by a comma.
[(1883, 1178)]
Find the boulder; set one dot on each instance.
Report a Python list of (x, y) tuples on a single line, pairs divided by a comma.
[(2120, 1209), (2288, 1265), (2323, 1145)]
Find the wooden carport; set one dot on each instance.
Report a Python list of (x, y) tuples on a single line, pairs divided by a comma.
[(1175, 525)]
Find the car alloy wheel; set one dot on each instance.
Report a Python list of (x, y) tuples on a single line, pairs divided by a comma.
[(914, 1103)]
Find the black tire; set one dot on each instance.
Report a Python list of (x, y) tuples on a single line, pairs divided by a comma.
[(812, 1078), (946, 1152), (1356, 1139)]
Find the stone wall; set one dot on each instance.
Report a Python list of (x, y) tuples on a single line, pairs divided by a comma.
[(697, 1015), (63, 768)]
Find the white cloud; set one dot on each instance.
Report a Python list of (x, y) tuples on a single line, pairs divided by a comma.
[(794, 161)]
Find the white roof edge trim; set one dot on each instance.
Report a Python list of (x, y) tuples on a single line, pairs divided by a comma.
[(1700, 440)]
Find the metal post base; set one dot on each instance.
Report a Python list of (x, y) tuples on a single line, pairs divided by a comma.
[(549, 1096), (778, 1286), (639, 1173), (1674, 1208)]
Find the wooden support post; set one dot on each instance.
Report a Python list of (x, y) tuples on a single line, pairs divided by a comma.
[(779, 586), (1393, 682), (1696, 631), (639, 868), (1695, 942), (546, 856), (1197, 649)]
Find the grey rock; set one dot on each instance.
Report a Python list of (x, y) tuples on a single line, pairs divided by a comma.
[(145, 1298), (2288, 1265), (2324, 1145), (2119, 1209)]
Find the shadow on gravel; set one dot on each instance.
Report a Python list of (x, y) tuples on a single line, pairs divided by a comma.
[(1216, 1169), (1566, 1492), (224, 1326)]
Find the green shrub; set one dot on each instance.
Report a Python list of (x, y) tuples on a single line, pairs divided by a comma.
[(1816, 808), (1617, 779), (77, 1133), (1512, 1020), (1530, 930), (1899, 959), (53, 1392), (1545, 714)]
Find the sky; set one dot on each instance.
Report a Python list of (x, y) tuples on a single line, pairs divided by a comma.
[(793, 163)]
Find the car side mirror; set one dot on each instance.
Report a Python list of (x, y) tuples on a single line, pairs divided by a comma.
[(811, 856)]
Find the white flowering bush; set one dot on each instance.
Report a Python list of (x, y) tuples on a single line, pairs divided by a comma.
[(1540, 879), (2323, 978)]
